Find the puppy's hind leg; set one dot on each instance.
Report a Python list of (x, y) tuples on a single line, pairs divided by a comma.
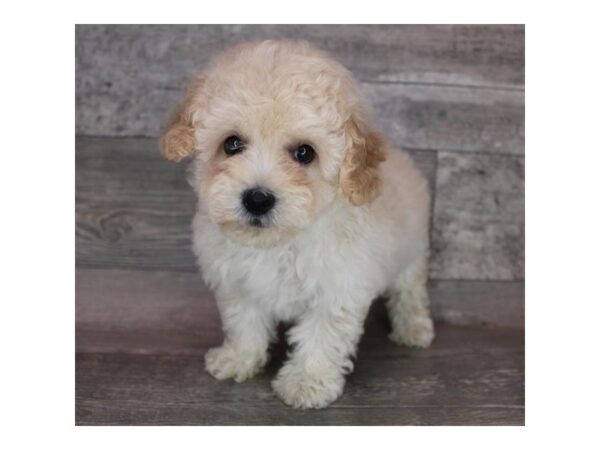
[(408, 307)]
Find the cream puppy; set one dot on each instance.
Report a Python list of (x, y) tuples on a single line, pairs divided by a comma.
[(305, 214)]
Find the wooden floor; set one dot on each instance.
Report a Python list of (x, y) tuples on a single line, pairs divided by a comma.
[(141, 337)]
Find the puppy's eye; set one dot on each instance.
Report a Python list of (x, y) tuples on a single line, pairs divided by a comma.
[(304, 154), (233, 145)]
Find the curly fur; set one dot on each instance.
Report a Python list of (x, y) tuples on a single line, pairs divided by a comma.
[(347, 228)]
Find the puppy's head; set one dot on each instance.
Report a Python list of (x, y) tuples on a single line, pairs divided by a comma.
[(278, 132)]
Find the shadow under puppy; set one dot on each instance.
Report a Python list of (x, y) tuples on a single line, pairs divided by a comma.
[(305, 214)]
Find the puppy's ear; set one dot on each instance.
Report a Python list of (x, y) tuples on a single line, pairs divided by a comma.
[(359, 174), (178, 139)]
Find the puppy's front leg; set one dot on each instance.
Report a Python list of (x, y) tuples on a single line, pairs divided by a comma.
[(324, 340), (248, 330)]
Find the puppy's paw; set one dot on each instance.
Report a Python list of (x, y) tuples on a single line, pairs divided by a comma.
[(415, 332), (227, 361), (300, 389)]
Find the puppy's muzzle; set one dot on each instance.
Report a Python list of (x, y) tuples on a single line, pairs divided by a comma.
[(258, 201)]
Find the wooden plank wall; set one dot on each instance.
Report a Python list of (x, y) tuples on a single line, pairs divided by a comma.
[(452, 95)]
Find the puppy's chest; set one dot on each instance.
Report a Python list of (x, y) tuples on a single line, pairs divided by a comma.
[(291, 282), (283, 280)]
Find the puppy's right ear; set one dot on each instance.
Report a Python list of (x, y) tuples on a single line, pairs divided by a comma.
[(178, 139)]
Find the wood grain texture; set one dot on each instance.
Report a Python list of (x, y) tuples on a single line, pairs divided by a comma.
[(451, 88), (495, 303), (141, 337), (403, 389), (479, 217), (477, 54), (134, 209), (451, 119), (175, 313)]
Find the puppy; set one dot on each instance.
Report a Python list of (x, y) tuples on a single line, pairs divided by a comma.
[(305, 214)]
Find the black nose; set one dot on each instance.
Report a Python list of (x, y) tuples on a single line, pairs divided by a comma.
[(257, 201)]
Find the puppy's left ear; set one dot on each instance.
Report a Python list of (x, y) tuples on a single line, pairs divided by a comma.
[(359, 174), (178, 139)]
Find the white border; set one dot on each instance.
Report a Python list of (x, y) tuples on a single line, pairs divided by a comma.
[(38, 223)]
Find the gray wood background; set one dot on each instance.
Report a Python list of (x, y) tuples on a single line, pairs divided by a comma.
[(452, 95)]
